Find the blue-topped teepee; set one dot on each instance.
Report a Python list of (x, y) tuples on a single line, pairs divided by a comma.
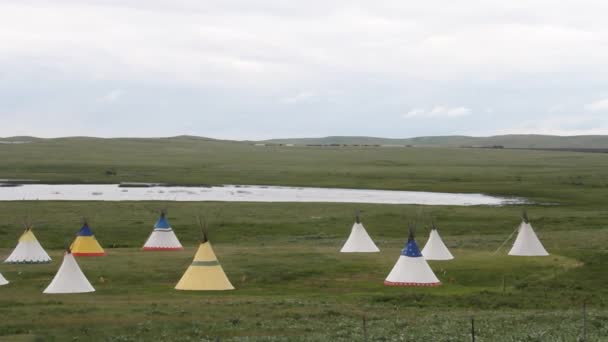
[(162, 222), (85, 243), (85, 230), (411, 248), (411, 268), (162, 238)]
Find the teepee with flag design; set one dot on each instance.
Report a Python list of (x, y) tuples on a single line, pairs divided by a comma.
[(85, 243), (359, 241), (411, 268), (69, 277), (205, 272), (28, 250), (162, 238)]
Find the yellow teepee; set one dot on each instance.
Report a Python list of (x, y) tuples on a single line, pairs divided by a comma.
[(86, 244), (205, 273)]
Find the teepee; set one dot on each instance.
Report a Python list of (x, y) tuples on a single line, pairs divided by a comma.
[(85, 243), (162, 238), (205, 273), (28, 250), (3, 280), (411, 268), (435, 249), (69, 278), (359, 241), (527, 243)]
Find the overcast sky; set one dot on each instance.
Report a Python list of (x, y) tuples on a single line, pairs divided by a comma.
[(256, 69)]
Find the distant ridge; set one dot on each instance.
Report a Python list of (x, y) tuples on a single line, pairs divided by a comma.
[(524, 141), (506, 141)]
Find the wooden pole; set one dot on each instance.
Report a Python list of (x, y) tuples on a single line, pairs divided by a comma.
[(364, 328), (472, 329), (585, 320)]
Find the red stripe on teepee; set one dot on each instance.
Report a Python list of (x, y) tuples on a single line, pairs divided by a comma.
[(390, 283), (163, 248)]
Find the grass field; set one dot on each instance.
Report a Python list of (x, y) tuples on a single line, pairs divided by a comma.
[(292, 284)]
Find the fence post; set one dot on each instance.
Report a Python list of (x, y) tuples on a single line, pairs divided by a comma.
[(364, 328), (585, 320), (472, 329)]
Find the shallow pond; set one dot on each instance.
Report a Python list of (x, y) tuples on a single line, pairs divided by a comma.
[(240, 193)]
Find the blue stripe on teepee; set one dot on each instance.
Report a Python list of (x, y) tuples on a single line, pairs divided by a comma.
[(411, 249), (162, 223), (85, 231)]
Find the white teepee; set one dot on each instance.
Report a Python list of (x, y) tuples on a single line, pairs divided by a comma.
[(69, 278), (527, 243), (359, 241), (28, 250), (163, 237), (435, 249), (411, 268), (3, 280)]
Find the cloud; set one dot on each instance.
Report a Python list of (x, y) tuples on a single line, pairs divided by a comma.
[(112, 96), (246, 68), (438, 112), (266, 42), (561, 125), (299, 97), (556, 108), (598, 106)]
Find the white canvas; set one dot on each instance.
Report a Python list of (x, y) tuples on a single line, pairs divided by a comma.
[(359, 241), (3, 280), (527, 243), (28, 252), (435, 249), (413, 272), (69, 278), (162, 239)]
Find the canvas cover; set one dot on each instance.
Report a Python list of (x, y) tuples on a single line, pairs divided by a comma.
[(3, 280), (205, 273), (359, 241), (163, 237), (86, 244), (435, 249), (69, 278), (28, 251), (527, 243), (411, 269)]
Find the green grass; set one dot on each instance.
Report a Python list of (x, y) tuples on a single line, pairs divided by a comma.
[(292, 284)]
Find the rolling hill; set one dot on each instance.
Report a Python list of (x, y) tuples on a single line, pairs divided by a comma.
[(532, 141), (508, 141)]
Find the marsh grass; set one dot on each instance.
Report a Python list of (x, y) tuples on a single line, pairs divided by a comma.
[(292, 284)]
